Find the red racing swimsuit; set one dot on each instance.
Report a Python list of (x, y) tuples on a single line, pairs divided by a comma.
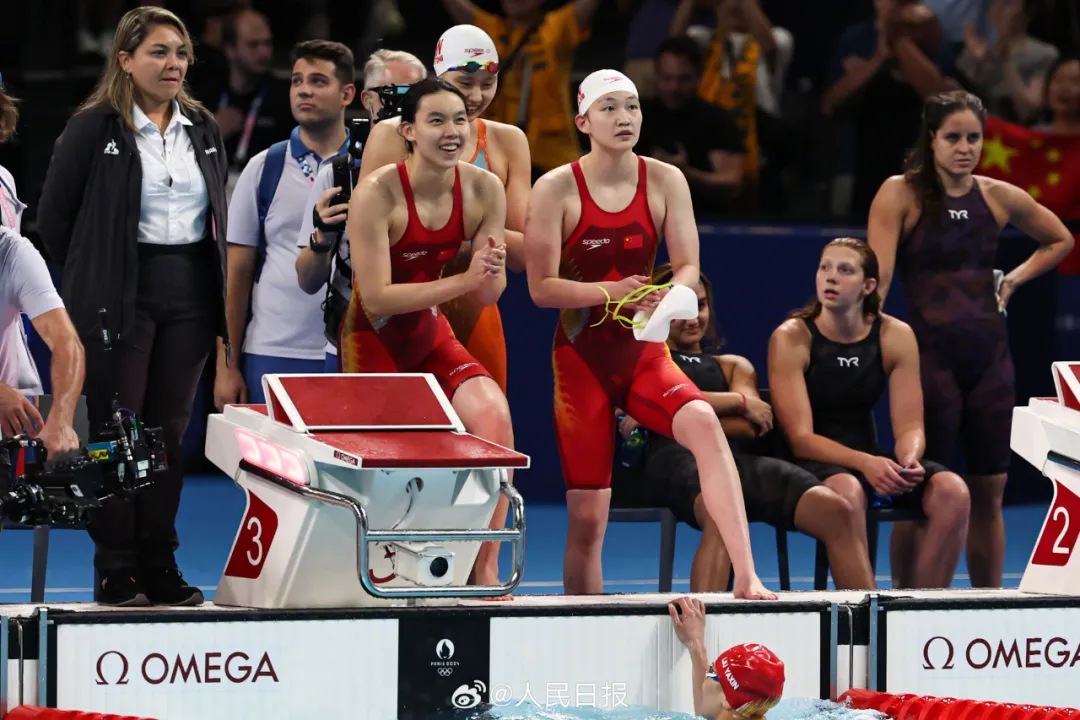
[(419, 341), (600, 368)]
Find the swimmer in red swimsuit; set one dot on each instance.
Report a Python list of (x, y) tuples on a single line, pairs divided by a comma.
[(591, 235), (393, 323)]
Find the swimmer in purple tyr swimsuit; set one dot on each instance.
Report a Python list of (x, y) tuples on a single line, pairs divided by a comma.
[(938, 224)]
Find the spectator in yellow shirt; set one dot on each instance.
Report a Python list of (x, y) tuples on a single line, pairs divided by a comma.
[(536, 50)]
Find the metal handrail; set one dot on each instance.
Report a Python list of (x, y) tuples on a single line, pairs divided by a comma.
[(365, 536)]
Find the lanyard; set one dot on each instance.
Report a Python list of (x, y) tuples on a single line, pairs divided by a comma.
[(305, 167), (6, 208), (249, 123)]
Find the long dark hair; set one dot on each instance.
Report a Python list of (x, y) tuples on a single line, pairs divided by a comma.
[(417, 92), (9, 115), (1063, 59), (868, 259), (920, 171), (713, 340)]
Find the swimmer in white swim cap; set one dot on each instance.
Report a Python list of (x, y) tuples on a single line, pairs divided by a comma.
[(743, 683)]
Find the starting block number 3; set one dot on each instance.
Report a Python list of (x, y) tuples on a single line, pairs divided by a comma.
[(1061, 529), (254, 540)]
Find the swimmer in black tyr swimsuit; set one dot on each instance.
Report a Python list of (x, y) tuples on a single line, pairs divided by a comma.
[(774, 491), (829, 365), (938, 225)]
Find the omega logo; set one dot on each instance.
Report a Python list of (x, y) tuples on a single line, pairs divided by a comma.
[(114, 668), (980, 653)]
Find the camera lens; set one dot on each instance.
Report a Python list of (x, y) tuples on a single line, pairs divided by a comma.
[(438, 567)]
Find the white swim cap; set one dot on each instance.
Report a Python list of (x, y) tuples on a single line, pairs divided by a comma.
[(599, 84), (466, 48)]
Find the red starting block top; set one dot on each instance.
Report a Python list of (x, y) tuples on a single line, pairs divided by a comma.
[(382, 449), (358, 402), (1067, 380), (387, 421), (389, 449)]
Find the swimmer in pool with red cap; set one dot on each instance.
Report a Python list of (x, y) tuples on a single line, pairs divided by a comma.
[(744, 682)]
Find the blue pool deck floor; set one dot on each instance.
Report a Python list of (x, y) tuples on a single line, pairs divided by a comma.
[(212, 507)]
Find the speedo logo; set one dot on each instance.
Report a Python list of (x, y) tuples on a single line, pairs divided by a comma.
[(459, 368), (593, 244), (675, 389), (413, 255)]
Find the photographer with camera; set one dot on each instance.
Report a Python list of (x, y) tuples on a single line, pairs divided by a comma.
[(282, 332), (323, 262)]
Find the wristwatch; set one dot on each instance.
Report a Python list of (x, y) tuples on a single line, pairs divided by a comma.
[(316, 246)]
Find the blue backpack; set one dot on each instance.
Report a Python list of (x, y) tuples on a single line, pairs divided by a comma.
[(268, 183), (343, 165)]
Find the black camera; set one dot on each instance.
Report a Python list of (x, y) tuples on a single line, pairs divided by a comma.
[(63, 492), (392, 98), (346, 169)]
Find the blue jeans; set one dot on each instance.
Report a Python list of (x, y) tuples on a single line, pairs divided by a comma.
[(254, 367), (331, 364)]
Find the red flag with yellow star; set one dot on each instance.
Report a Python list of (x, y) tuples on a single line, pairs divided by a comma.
[(1047, 166)]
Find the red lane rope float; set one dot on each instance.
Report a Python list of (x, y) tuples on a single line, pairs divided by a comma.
[(30, 712), (922, 707)]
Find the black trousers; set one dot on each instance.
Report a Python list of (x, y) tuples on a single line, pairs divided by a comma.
[(155, 370)]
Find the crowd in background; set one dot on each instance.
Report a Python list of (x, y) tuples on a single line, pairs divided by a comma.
[(770, 108), (774, 109)]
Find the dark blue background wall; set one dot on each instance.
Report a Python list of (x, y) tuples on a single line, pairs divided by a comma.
[(759, 275)]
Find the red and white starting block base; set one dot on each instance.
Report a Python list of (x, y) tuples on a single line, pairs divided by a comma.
[(361, 490), (1046, 433)]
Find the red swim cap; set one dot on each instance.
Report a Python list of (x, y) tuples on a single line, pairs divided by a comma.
[(752, 678)]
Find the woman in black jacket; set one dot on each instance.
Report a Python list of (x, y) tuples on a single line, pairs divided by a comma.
[(134, 209)]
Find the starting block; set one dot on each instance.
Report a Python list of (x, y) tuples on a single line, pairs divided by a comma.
[(1046, 433), (362, 490)]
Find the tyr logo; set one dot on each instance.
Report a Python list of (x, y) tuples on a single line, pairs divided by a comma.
[(958, 214), (848, 362)]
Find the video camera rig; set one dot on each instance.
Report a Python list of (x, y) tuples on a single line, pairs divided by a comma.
[(62, 493)]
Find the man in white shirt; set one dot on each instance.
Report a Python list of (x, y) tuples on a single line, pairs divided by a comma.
[(26, 287), (13, 335), (283, 332), (386, 74)]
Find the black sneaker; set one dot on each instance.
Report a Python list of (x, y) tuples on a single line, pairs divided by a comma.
[(120, 589), (166, 586)]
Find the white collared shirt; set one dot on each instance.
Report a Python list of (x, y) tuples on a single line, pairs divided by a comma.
[(174, 202)]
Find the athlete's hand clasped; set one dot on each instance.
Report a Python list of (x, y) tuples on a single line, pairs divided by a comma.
[(488, 264)]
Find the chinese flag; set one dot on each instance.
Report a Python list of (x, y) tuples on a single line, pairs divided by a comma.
[(1047, 166), (633, 242)]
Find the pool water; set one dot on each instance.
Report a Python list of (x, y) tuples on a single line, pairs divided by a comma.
[(788, 709)]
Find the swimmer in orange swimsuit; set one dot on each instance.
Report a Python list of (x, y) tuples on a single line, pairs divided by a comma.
[(393, 323), (591, 235), (466, 58)]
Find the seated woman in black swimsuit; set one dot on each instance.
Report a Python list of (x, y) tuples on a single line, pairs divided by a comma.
[(829, 364), (775, 491)]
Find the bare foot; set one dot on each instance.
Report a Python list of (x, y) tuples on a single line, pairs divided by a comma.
[(751, 589), (486, 577), (497, 598)]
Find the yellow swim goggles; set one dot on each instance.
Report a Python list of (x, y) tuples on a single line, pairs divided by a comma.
[(632, 297)]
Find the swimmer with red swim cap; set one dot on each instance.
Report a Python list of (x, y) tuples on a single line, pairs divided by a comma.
[(743, 683)]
